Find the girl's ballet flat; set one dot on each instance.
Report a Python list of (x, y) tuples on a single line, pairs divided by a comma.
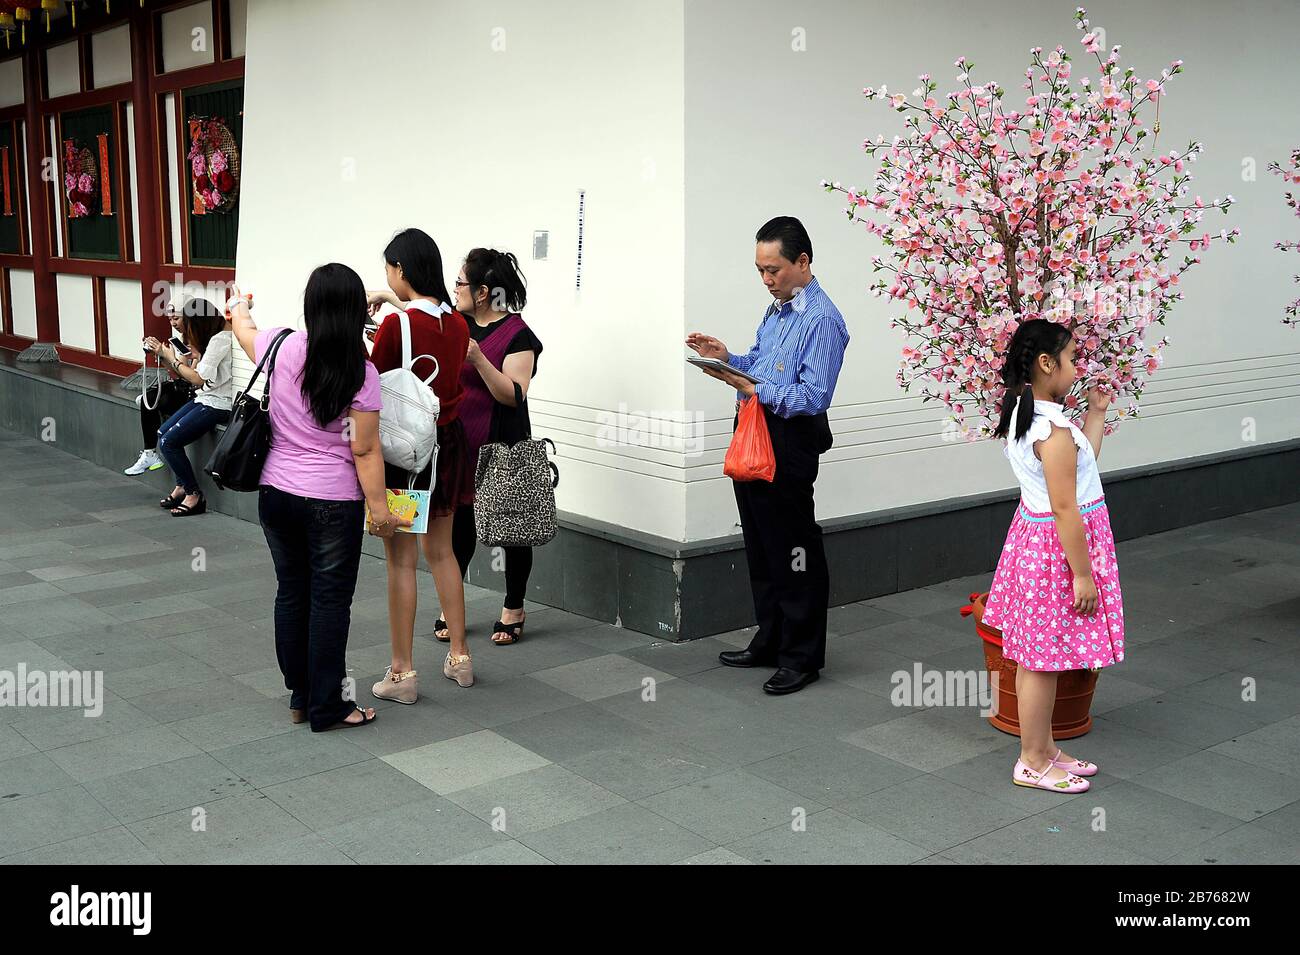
[(1026, 775)]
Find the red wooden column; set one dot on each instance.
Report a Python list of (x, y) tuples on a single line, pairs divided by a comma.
[(47, 293), (148, 188)]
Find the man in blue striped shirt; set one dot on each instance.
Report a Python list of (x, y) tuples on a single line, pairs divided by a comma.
[(797, 357)]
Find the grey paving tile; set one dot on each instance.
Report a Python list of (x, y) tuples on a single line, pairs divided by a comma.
[(41, 593), (1226, 785), (285, 756), (625, 835), (1051, 837), (493, 702), (55, 816), (115, 846), (186, 702), (51, 728), (408, 727), (240, 724), (219, 831), (927, 740), (310, 849), (503, 853), (1249, 844), (426, 832), (181, 783), (573, 731), (30, 775), (121, 753), (730, 806), (831, 772), (13, 743), (339, 796), (1275, 747), (932, 812), (464, 761), (1150, 823), (829, 838), (720, 727), (718, 856), (535, 799), (601, 676), (1193, 722)]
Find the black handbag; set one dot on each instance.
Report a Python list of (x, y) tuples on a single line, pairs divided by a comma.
[(237, 460)]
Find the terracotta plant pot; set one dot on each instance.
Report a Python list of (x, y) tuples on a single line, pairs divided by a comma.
[(1074, 688)]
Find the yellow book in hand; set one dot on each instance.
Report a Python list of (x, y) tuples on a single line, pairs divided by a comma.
[(409, 504)]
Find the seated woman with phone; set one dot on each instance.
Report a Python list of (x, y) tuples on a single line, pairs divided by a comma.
[(207, 334)]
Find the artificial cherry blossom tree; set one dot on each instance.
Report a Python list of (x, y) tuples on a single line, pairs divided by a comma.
[(1291, 174), (1062, 209)]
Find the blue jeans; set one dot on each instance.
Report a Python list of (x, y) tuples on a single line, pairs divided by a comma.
[(182, 429), (316, 548)]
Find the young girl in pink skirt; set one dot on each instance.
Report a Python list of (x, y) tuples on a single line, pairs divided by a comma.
[(1055, 594)]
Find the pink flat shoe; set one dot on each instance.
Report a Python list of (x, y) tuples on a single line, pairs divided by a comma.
[(1026, 775), (1080, 767)]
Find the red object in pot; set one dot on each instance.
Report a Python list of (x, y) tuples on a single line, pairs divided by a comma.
[(1071, 716)]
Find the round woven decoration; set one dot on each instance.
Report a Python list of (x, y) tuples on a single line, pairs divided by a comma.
[(213, 145)]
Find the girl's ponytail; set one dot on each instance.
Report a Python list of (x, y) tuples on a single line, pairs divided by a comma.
[(1033, 338)]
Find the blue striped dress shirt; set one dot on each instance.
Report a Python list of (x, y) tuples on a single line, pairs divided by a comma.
[(798, 353)]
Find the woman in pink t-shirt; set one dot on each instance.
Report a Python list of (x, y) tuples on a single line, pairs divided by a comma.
[(323, 468)]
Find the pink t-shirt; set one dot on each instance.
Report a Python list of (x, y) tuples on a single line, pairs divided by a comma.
[(306, 459)]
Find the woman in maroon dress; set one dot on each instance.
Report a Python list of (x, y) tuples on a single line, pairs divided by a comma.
[(414, 270)]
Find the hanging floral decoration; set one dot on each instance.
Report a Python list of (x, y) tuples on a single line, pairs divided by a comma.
[(214, 165), (80, 179)]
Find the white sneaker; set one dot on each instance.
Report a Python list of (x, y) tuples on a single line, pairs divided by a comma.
[(148, 461)]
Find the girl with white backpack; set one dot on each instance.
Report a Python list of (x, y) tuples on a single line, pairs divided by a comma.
[(421, 342)]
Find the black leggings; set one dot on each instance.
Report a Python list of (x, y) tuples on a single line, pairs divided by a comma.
[(519, 560)]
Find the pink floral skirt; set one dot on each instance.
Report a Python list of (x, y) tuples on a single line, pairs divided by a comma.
[(1032, 598)]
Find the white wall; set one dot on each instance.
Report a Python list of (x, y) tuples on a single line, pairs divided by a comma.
[(62, 69), (125, 318), (689, 125), (764, 124), (435, 129), (11, 81), (76, 311), (179, 40), (22, 293), (111, 56)]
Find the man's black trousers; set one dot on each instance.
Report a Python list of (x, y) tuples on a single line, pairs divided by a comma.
[(783, 546)]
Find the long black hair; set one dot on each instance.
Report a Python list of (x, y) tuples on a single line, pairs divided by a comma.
[(334, 309), (421, 263), (1033, 338), (200, 323), (499, 271)]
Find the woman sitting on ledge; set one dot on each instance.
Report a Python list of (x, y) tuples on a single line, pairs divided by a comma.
[(208, 335)]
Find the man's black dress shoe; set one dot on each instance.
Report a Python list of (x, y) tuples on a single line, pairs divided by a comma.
[(786, 680), (743, 658)]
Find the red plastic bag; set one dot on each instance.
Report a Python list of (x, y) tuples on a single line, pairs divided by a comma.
[(750, 456)]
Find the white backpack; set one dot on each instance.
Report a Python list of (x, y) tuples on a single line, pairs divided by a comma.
[(408, 421)]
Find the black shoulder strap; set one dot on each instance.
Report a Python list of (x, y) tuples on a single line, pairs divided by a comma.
[(271, 352)]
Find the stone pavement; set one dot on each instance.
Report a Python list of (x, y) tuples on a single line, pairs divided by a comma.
[(558, 747)]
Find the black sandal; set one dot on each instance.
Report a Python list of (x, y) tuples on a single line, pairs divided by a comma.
[(185, 510), (441, 624), (515, 631), (167, 503), (344, 724)]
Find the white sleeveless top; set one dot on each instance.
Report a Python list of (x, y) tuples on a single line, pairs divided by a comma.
[(1029, 470)]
